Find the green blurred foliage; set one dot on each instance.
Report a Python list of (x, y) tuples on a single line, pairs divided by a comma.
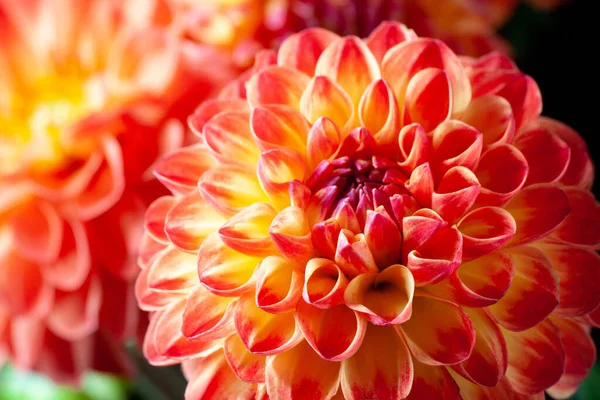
[(19, 385)]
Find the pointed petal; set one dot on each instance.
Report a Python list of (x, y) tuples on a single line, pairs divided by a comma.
[(580, 356), (211, 378), (156, 215), (276, 126), (352, 254), (173, 270), (262, 332), (385, 298), (290, 231), (324, 237), (211, 108), (433, 383), (38, 230), (538, 211), (418, 228), (414, 146), (324, 283), (312, 377), (335, 333), (455, 194), (276, 169), (278, 285), (190, 220), (323, 141), (223, 270), (247, 232), (276, 85), (383, 238), (437, 258), (229, 188), (493, 117), (387, 35), (536, 358), (546, 154), (484, 230), (525, 98), (150, 300), (455, 144), (420, 184), (582, 226), (180, 170), (325, 98), (75, 314), (439, 332), (378, 112), (577, 270), (247, 366), (375, 374), (207, 316), (533, 291), (228, 137), (349, 62), (502, 172), (428, 99), (488, 362), (302, 50), (478, 283)]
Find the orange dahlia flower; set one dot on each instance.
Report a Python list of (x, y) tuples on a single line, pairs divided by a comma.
[(90, 97), (245, 26), (370, 219)]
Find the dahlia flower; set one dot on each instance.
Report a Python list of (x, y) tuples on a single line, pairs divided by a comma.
[(374, 218), (243, 27), (84, 86)]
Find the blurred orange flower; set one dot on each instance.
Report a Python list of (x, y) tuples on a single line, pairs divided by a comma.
[(245, 26), (92, 93), (374, 218)]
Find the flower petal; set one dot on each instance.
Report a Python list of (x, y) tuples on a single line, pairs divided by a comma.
[(324, 283), (414, 146), (276, 85), (487, 363), (247, 366), (385, 298), (538, 211), (38, 230), (278, 285), (206, 316), (455, 194), (533, 291), (349, 62), (493, 117), (428, 100), (375, 374), (536, 358), (378, 112), (582, 226), (502, 172), (228, 137), (223, 270), (546, 154), (155, 217), (173, 270), (290, 231), (484, 230), (325, 98), (431, 382), (383, 238), (353, 255), (454, 143), (276, 126), (209, 108), (439, 332), (580, 356), (324, 139), (180, 170), (311, 377), (387, 35), (262, 332), (190, 220), (230, 188), (302, 50), (335, 333), (276, 169), (577, 270), (247, 232)]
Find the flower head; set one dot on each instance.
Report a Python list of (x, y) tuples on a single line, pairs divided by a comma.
[(374, 218), (83, 86)]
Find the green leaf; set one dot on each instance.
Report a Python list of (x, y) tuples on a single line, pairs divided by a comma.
[(20, 385)]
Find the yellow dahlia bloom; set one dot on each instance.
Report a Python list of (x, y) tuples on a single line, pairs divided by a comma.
[(93, 91), (374, 219)]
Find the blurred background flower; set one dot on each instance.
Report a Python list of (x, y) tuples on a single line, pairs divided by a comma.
[(91, 96)]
